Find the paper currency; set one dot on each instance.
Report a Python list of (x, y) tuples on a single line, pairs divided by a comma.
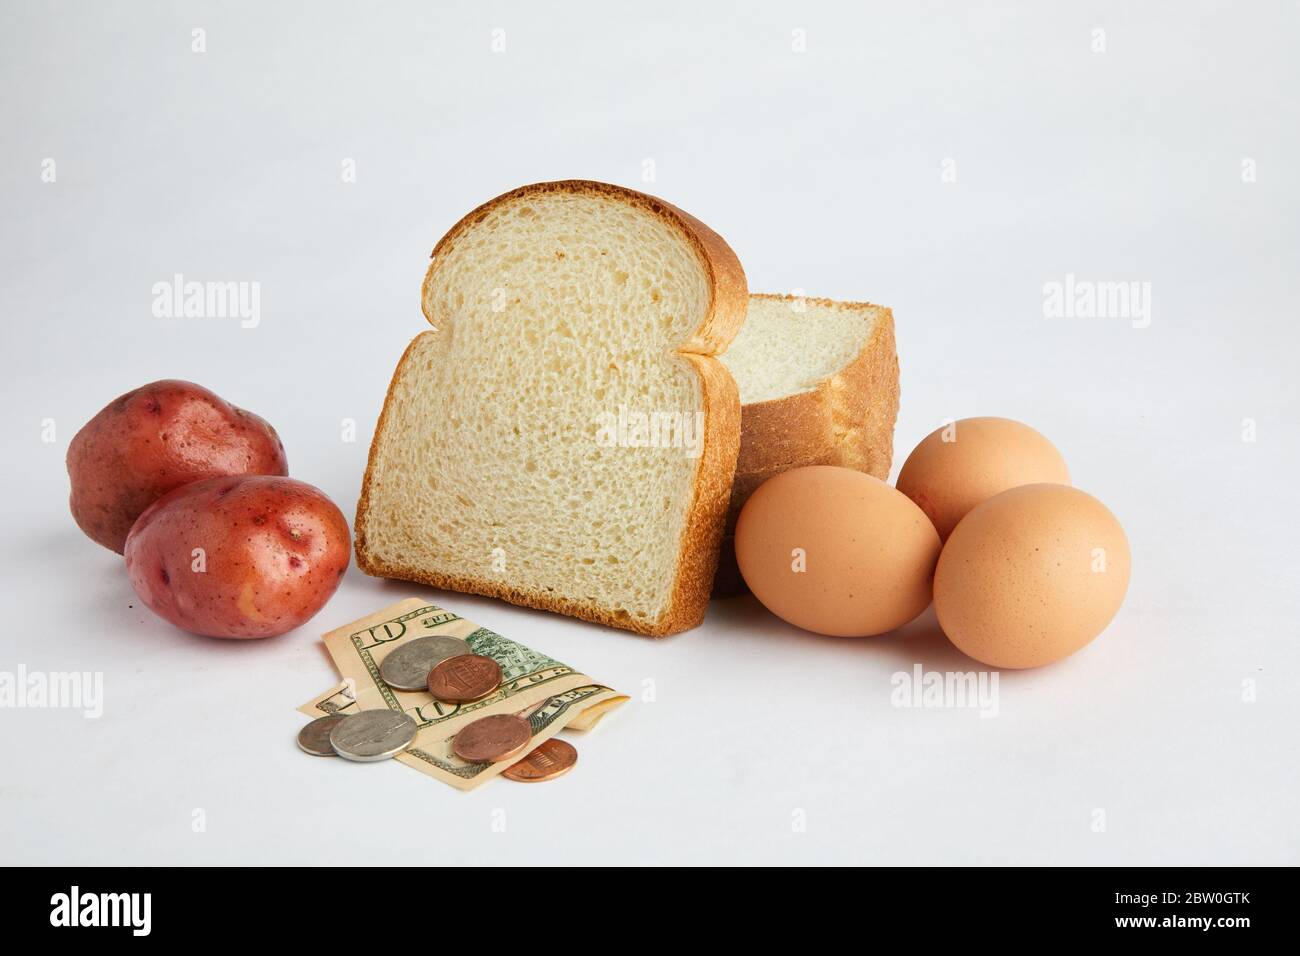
[(550, 695)]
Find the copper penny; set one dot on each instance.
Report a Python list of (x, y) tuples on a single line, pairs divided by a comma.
[(464, 679), (552, 759), (493, 739)]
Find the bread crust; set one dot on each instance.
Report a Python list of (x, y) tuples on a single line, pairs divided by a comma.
[(702, 532), (846, 420)]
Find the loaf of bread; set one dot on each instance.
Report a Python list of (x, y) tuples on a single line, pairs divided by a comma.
[(818, 383), (510, 458)]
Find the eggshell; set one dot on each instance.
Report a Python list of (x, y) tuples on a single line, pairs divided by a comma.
[(956, 467), (1031, 575), (867, 553)]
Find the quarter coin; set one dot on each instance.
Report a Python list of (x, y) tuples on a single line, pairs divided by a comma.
[(464, 679), (314, 738), (407, 668), (372, 735), (552, 759), (493, 739)]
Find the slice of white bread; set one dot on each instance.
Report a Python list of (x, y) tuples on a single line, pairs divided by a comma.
[(507, 460), (818, 385)]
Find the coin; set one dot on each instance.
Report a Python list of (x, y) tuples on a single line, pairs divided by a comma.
[(407, 668), (493, 739), (372, 735), (552, 759), (464, 679), (314, 737)]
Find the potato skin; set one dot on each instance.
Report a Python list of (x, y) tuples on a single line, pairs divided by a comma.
[(273, 552), (153, 439)]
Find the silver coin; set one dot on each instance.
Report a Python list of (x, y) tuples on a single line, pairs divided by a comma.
[(314, 738), (372, 735), (407, 668)]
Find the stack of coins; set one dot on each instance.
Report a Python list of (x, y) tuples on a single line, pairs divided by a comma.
[(464, 679), (452, 673), (408, 667), (365, 736)]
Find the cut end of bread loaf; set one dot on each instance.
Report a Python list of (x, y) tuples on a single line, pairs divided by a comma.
[(818, 382), (564, 438), (790, 345)]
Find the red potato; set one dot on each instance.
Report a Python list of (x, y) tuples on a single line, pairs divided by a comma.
[(248, 556), (159, 437)]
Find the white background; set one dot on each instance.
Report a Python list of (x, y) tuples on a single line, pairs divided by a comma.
[(823, 169)]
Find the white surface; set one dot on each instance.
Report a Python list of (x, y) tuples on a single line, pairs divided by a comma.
[(823, 170)]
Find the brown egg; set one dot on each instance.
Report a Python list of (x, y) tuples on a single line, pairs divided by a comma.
[(1031, 575), (836, 551), (971, 460)]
